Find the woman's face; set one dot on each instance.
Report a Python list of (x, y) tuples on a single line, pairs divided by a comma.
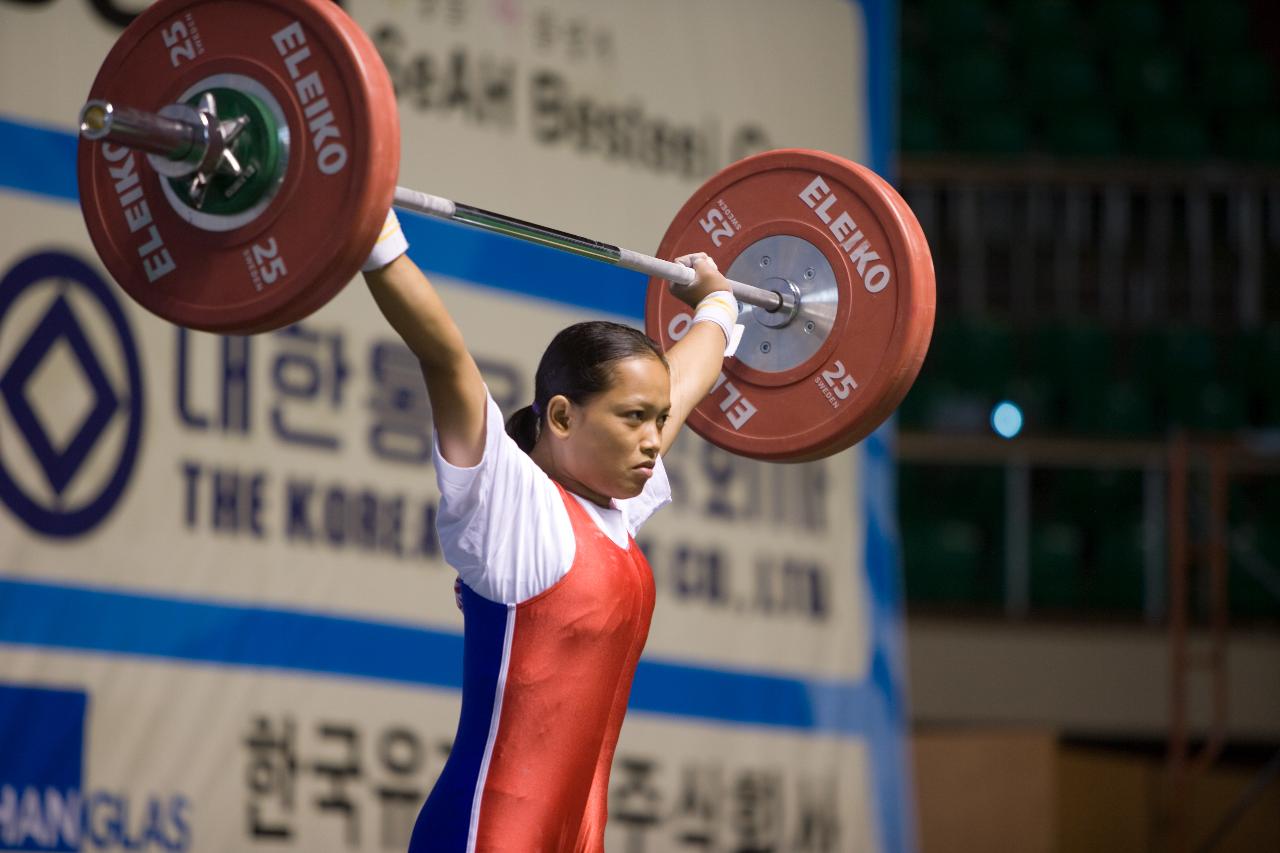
[(615, 437)]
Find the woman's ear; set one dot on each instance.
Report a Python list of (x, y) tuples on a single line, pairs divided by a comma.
[(559, 415)]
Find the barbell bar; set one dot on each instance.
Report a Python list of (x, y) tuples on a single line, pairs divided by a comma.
[(182, 140)]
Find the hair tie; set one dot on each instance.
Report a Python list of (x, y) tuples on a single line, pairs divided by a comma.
[(537, 410)]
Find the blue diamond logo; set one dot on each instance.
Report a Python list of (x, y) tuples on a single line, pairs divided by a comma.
[(58, 325)]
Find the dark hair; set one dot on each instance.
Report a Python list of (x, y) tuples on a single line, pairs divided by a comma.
[(578, 363)]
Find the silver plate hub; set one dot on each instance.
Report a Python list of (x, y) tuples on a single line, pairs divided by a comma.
[(781, 340)]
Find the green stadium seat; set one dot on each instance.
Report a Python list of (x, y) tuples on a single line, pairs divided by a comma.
[(1118, 582), (1250, 137), (1043, 23), (949, 403), (1268, 503), (915, 27), (1266, 353), (1083, 133), (1170, 134), (1101, 496), (1070, 358), (1148, 371), (945, 408), (922, 399), (961, 409), (1219, 407), (973, 366), (1033, 395), (921, 132), (1214, 24), (913, 412), (973, 354), (1057, 551), (1242, 503), (1187, 350), (978, 494), (1201, 406), (1128, 22), (914, 85), (1072, 352), (1103, 507), (1184, 369), (1241, 363), (946, 345), (970, 77), (952, 518), (1240, 352), (1248, 597), (1238, 79), (1264, 377), (1061, 76), (973, 494), (1254, 501), (941, 561), (1194, 391), (912, 490), (996, 131), (957, 22), (1125, 410), (1147, 75)]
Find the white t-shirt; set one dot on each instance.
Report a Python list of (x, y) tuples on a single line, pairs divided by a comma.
[(504, 527)]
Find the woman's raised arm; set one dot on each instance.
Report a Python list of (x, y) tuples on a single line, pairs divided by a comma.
[(697, 358), (414, 309)]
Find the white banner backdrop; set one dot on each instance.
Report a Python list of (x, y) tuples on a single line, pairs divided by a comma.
[(224, 619)]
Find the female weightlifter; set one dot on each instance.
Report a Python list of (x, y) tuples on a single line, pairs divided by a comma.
[(538, 521)]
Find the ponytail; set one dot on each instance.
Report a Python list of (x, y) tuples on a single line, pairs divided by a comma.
[(523, 426)]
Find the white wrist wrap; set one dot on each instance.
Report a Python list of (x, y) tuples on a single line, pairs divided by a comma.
[(391, 245), (722, 309)]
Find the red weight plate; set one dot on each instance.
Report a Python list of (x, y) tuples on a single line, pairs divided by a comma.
[(308, 60), (840, 235)]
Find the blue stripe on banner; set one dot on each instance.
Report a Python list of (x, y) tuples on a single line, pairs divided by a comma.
[(38, 160), (890, 748), (881, 17), (101, 620), (751, 698), (887, 720), (124, 623)]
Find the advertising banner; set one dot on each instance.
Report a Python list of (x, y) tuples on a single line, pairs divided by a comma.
[(225, 619)]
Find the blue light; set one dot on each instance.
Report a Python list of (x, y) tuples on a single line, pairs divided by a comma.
[(1006, 419)]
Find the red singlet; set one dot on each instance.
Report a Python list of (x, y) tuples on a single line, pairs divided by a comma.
[(545, 689)]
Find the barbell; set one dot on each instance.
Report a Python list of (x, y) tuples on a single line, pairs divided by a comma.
[(236, 158)]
